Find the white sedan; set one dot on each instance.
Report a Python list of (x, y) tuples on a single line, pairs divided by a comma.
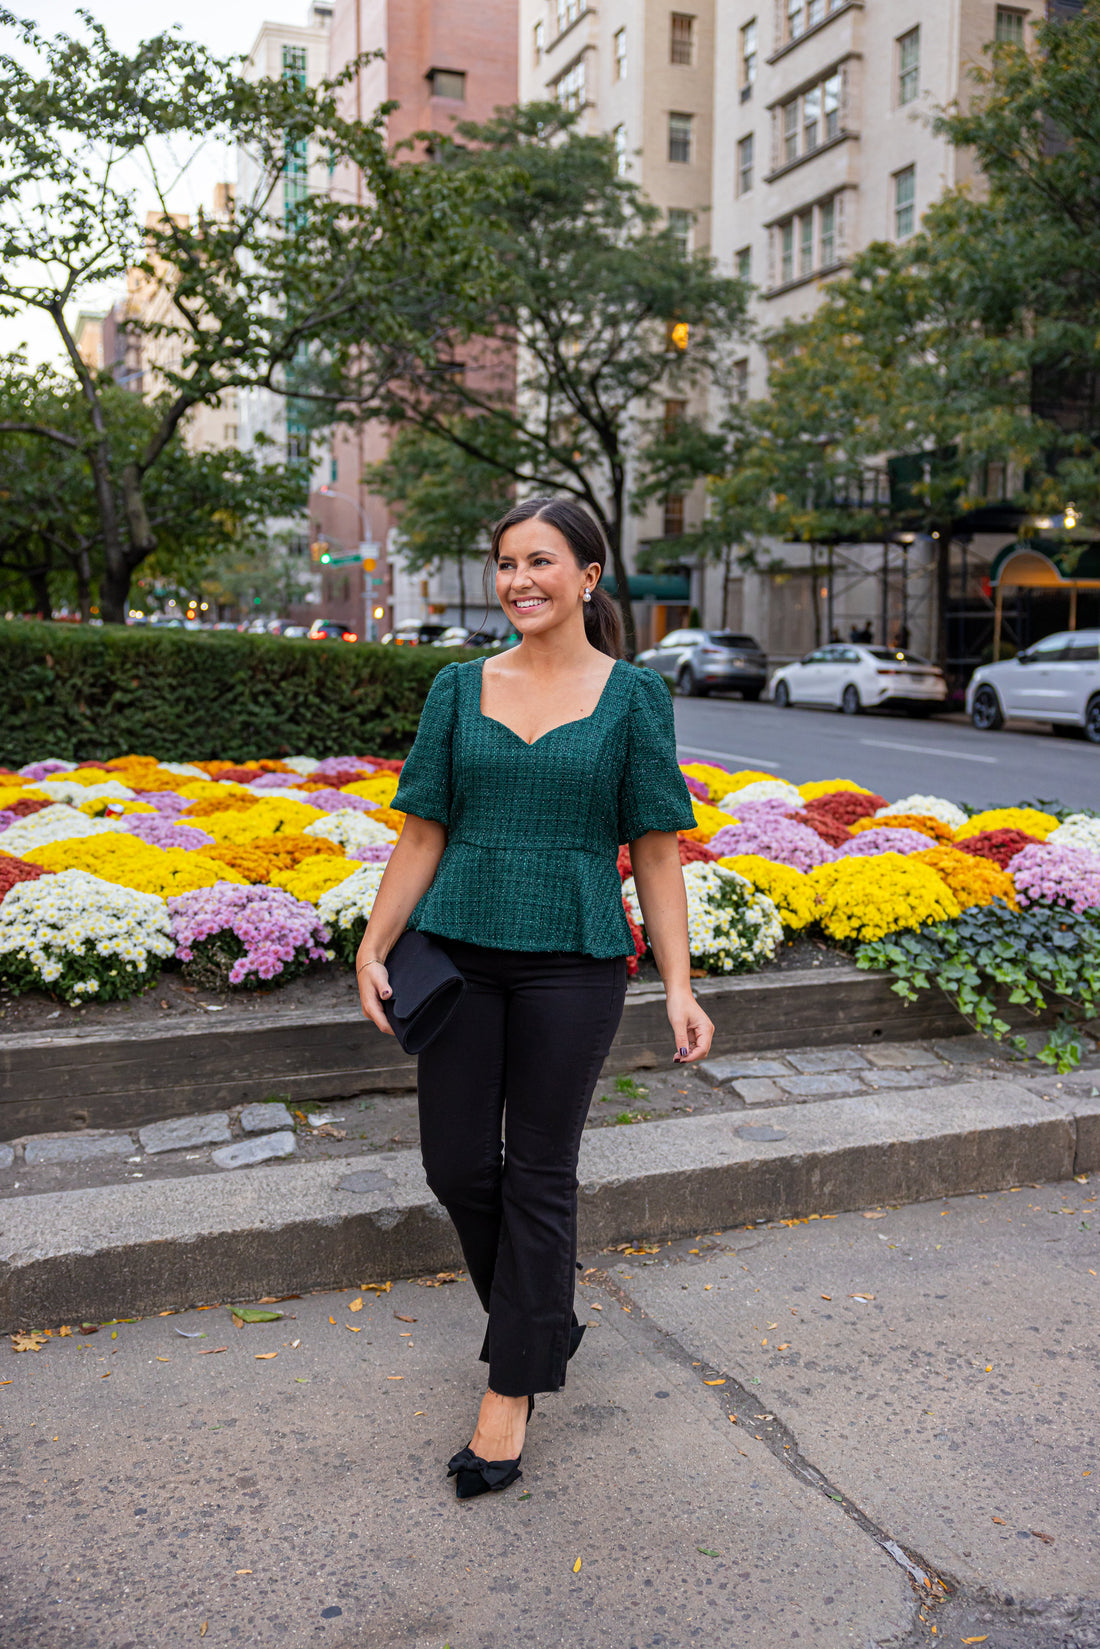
[(1057, 680), (853, 678)]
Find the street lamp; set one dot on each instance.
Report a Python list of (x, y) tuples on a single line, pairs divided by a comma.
[(366, 547)]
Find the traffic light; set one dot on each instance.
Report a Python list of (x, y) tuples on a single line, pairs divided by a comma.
[(319, 550)]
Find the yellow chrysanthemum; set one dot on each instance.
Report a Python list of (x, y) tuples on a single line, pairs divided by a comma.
[(100, 805), (828, 787), (790, 890), (10, 793), (129, 862), (708, 821), (972, 879), (315, 876), (221, 798), (267, 818), (380, 788), (866, 898), (1009, 818)]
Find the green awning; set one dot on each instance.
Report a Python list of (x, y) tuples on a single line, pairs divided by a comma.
[(652, 586), (1044, 563)]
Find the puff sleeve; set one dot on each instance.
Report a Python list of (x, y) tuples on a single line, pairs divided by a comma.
[(424, 788), (652, 795)]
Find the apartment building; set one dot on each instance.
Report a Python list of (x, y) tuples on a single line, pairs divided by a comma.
[(441, 61)]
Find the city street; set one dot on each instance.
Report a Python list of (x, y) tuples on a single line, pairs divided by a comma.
[(874, 1431), (892, 754)]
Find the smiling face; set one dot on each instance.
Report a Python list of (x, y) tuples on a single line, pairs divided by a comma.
[(538, 582)]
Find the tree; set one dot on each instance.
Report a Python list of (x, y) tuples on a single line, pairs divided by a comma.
[(590, 311), (250, 292), (447, 499), (199, 505)]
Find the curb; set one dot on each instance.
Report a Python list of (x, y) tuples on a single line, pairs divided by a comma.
[(104, 1079), (133, 1249)]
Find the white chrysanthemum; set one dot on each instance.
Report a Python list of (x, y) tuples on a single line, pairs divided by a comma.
[(761, 790), (354, 896), (54, 918), (351, 829), (56, 823), (1079, 830), (730, 926), (183, 770), (73, 792), (936, 807), (300, 764)]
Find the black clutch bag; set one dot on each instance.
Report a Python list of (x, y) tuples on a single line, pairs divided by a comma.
[(426, 986)]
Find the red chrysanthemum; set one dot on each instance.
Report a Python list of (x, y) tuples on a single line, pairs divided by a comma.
[(998, 845)]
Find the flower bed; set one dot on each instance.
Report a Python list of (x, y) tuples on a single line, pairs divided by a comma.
[(258, 869)]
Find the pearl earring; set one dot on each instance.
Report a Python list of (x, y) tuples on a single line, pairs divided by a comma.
[(588, 595)]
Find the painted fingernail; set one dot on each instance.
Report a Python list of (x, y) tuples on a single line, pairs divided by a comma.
[(683, 1052)]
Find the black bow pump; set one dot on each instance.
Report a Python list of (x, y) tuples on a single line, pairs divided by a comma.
[(476, 1476)]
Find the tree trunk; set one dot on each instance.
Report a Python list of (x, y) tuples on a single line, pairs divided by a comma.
[(727, 564), (84, 585), (40, 585), (462, 590), (943, 595), (614, 529), (815, 596)]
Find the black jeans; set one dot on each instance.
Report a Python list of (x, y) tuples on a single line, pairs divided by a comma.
[(525, 1045)]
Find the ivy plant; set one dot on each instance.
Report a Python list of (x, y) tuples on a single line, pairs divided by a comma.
[(992, 957)]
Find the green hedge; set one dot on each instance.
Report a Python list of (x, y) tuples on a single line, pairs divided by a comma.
[(84, 694)]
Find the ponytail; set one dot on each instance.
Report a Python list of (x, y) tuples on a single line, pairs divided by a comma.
[(602, 620)]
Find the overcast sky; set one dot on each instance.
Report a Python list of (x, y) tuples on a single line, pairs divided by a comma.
[(225, 26)]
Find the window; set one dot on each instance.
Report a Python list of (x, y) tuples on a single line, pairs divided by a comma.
[(295, 63), (744, 164), (230, 434), (620, 54), (296, 161), (682, 41), (815, 12), (740, 389), (909, 66), (827, 234), (568, 12), (673, 524), (811, 119), (830, 102), (679, 223), (790, 131), (786, 260), (743, 263), (748, 59), (540, 40), (806, 243), (622, 157), (448, 83), (679, 139), (572, 86), (1009, 27), (796, 19), (674, 412), (905, 195)]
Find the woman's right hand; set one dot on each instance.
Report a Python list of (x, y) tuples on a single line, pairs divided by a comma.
[(374, 989)]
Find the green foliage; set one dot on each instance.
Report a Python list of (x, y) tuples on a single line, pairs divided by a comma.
[(116, 979), (586, 281), (992, 955), (98, 693)]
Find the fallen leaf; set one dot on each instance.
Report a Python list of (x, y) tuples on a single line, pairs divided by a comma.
[(244, 1571), (999, 1520), (1047, 1539), (8, 1383), (353, 1327), (714, 1382), (707, 1551), (202, 1628), (401, 1319), (64, 1331), (594, 1307), (577, 1567), (106, 1376), (879, 1214), (264, 1356), (864, 1297), (419, 1413), (827, 1297), (356, 1305), (210, 1351), (164, 1359), (189, 1333), (989, 1368), (983, 1639), (28, 1342), (300, 1380), (384, 1288), (249, 1314), (294, 1344), (332, 1319), (784, 1347)]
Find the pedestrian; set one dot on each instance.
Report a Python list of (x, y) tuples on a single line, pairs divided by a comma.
[(529, 769)]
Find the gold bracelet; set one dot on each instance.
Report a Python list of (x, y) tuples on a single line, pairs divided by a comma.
[(368, 962)]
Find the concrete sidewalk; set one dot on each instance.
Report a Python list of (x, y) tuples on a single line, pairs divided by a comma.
[(913, 1459)]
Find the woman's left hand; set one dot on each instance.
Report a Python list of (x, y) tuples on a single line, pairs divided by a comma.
[(690, 1026)]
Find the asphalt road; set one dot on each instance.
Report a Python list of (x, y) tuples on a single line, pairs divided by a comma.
[(891, 753), (913, 1459)]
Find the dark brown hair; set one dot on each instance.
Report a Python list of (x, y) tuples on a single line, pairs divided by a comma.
[(581, 531)]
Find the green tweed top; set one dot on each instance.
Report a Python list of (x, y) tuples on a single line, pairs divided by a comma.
[(533, 830)]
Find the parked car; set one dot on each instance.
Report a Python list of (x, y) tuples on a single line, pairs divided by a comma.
[(1057, 680), (851, 678), (330, 629), (699, 660), (455, 635), (294, 632), (412, 632), (482, 638)]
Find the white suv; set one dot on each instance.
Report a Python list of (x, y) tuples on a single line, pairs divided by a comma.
[(1057, 680)]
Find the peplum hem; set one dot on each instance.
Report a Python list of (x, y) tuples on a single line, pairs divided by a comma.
[(527, 898)]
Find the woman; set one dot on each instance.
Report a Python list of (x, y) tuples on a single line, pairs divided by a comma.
[(528, 771)]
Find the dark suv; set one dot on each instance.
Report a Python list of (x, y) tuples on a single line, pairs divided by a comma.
[(699, 660)]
